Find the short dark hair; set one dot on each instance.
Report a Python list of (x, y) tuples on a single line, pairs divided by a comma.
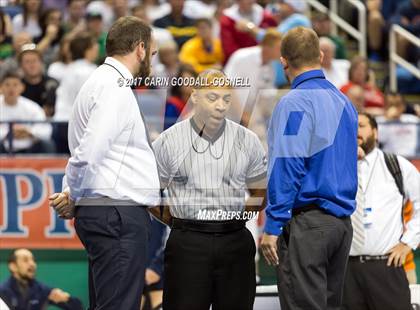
[(80, 44), (125, 34), (11, 75), (300, 47), (372, 121)]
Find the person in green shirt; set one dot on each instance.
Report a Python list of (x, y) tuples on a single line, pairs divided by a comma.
[(321, 23)]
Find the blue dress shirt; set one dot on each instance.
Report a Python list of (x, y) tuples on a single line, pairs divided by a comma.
[(312, 148)]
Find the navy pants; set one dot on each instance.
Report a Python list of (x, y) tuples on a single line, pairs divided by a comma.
[(116, 239)]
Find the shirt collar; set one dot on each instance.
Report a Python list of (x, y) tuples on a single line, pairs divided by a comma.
[(121, 68), (200, 132), (307, 75), (370, 158)]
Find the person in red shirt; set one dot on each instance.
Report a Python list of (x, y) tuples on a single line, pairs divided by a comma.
[(359, 75), (234, 39)]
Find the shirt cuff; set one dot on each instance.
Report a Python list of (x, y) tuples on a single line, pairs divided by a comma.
[(272, 228), (411, 239)]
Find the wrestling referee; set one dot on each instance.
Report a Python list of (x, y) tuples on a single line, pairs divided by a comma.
[(312, 183), (207, 163), (112, 175)]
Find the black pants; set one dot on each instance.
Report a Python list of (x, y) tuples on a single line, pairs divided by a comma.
[(313, 252), (373, 285), (116, 240), (203, 269)]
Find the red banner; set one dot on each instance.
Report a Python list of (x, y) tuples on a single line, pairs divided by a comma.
[(26, 220)]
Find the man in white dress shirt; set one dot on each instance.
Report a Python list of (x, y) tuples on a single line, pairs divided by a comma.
[(112, 175), (375, 277)]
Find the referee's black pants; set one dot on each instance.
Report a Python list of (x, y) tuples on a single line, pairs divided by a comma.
[(203, 269), (372, 285), (313, 252), (116, 240)]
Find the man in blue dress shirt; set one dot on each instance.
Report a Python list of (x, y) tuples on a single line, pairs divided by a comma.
[(312, 181)]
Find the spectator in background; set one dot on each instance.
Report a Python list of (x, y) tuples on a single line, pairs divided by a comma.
[(28, 21), (398, 131), (203, 51), (120, 8), (23, 291), (11, 63), (256, 65), (84, 51), (200, 8), (75, 15), (155, 9), (94, 25), (356, 94), (38, 86), (221, 6), (168, 65), (379, 20), (359, 75), (52, 32), (104, 8), (408, 16), (243, 12), (290, 14), (161, 35), (336, 70), (27, 138), (6, 46), (175, 107), (322, 25), (181, 27), (57, 70)]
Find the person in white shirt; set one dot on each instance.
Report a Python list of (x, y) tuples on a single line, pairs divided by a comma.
[(256, 102), (84, 51), (111, 176), (336, 70), (27, 138), (375, 277)]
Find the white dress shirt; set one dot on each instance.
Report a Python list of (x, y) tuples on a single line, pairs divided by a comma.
[(110, 153), (382, 195), (76, 75), (24, 110)]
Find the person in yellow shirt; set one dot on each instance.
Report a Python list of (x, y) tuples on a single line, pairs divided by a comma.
[(204, 51)]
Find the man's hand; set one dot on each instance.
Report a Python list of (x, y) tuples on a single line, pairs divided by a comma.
[(269, 249), (151, 276), (398, 254), (57, 296), (63, 205)]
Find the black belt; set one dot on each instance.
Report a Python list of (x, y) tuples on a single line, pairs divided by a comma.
[(368, 258), (299, 210), (208, 226)]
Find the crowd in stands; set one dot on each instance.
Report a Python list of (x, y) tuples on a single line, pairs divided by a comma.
[(49, 48)]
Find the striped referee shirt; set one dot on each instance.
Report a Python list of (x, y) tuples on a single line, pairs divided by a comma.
[(203, 173)]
